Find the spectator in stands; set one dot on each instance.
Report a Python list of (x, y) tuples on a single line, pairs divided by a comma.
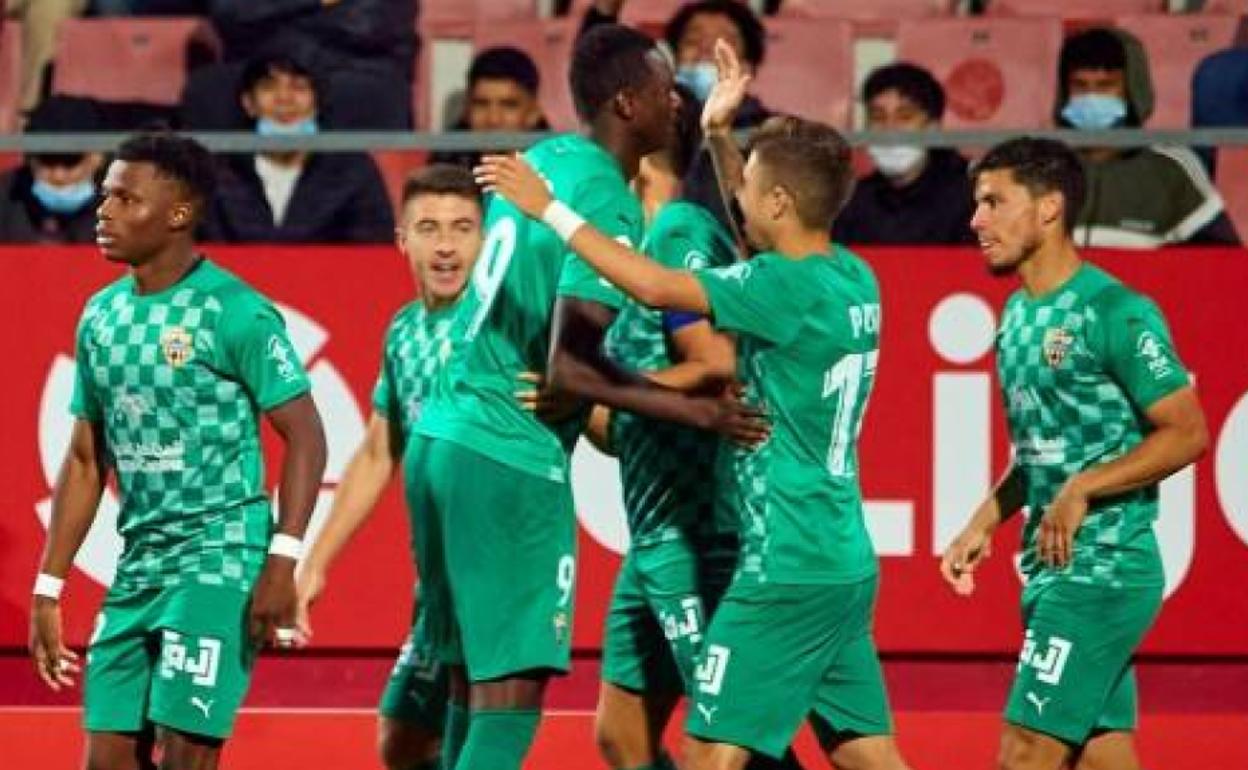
[(501, 95), (1142, 197), (915, 195), (295, 196), (690, 34), (51, 197), (40, 20), (1220, 94), (365, 48)]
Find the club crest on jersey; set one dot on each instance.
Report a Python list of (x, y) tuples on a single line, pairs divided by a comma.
[(177, 346), (1057, 342)]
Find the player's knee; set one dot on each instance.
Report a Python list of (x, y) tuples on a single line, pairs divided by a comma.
[(104, 760), (182, 751), (401, 748), (1017, 753), (617, 747)]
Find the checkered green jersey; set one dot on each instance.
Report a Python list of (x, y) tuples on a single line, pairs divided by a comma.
[(1078, 368), (666, 470), (417, 343), (808, 336), (177, 379), (503, 323)]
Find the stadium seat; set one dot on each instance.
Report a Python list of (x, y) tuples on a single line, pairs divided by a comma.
[(1175, 45), (1232, 182), (997, 73), (1074, 9), (462, 15), (809, 69), (10, 75), (129, 60), (550, 43), (867, 10)]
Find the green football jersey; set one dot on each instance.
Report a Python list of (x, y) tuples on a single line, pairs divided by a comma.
[(1078, 368), (504, 321), (808, 335), (666, 470), (418, 342), (177, 379)]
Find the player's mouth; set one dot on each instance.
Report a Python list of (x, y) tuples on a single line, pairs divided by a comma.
[(446, 271), (105, 239)]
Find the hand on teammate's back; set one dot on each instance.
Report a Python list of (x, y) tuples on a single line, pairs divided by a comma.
[(547, 404), (720, 109), (513, 178), (728, 415)]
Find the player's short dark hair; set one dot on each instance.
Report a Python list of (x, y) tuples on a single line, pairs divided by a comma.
[(266, 65), (752, 33), (1098, 48), (911, 81), (608, 59), (1042, 166), (505, 63), (688, 138), (809, 159), (442, 179), (175, 157)]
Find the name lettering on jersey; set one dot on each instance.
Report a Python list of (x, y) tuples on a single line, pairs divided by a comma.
[(176, 658), (1049, 661), (1153, 353), (1037, 450), (177, 346), (150, 458), (280, 354), (1056, 344), (865, 319)]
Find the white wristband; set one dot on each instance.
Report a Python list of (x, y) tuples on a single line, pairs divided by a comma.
[(563, 220), (48, 585), (286, 545)]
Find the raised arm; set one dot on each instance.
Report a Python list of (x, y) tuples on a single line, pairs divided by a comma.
[(718, 115), (74, 502)]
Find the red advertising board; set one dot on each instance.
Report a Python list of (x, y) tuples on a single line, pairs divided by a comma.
[(932, 443)]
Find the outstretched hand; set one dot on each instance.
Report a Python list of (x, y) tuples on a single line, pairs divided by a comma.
[(720, 109), (512, 177)]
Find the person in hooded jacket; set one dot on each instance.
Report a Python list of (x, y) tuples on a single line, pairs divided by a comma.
[(916, 195), (1144, 197)]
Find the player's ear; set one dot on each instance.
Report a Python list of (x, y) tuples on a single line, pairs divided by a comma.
[(182, 216), (624, 105), (1051, 206)]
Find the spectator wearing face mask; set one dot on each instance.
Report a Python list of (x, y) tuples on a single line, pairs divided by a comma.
[(51, 197), (915, 194), (1143, 197), (295, 196)]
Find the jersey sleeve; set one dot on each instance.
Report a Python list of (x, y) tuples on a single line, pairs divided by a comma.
[(1137, 350), (85, 402), (744, 298), (613, 211), (260, 355), (384, 401)]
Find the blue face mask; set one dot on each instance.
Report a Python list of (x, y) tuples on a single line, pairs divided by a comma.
[(270, 127), (700, 78), (1094, 111), (67, 199)]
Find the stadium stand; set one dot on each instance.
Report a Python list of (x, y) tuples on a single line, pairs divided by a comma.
[(10, 74), (809, 69)]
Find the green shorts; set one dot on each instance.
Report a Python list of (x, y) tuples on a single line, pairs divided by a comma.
[(776, 655), (177, 657), (496, 549), (1074, 673), (416, 690)]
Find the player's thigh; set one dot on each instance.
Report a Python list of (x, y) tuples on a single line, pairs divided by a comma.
[(404, 744), (670, 577), (187, 751), (120, 662), (421, 490), (1112, 750), (205, 661), (1026, 749), (511, 562), (120, 751), (417, 690), (1074, 668), (766, 652), (629, 725), (851, 716)]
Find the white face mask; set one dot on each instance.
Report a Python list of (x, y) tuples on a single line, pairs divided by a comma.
[(896, 160)]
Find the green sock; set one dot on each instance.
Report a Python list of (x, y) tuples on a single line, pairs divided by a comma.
[(662, 762), (454, 733), (498, 740)]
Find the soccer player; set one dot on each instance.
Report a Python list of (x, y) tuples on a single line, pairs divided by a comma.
[(1100, 411), (440, 234), (176, 361), (792, 637), (496, 518)]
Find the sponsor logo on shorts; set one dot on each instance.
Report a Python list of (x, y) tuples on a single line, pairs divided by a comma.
[(707, 712), (203, 705), (1049, 660), (560, 624), (202, 665), (1038, 702), (710, 671)]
